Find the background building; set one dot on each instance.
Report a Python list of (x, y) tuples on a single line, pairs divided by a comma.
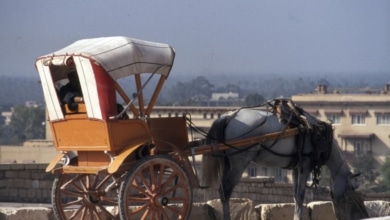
[(360, 118)]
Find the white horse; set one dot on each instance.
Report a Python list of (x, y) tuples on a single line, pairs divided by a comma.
[(225, 168)]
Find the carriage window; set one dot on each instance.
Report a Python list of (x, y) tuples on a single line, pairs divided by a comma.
[(334, 118), (383, 119), (358, 119)]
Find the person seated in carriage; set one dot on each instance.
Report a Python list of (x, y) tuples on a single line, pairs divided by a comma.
[(71, 93)]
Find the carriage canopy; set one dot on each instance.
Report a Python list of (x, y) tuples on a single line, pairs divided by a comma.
[(100, 62)]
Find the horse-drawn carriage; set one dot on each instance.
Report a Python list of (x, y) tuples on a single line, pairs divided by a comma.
[(115, 161)]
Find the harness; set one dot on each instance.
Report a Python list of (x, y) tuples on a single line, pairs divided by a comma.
[(320, 132), (293, 116)]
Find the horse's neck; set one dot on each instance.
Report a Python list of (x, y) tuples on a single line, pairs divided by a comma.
[(337, 164)]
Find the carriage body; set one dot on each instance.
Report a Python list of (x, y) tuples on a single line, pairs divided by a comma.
[(93, 130)]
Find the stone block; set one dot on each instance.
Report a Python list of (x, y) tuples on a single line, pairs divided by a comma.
[(35, 184), (11, 174), (3, 183), (24, 175), (283, 211), (27, 183), (201, 211), (37, 176), (5, 167), (18, 183), (321, 211), (31, 193), (18, 167), (378, 208), (22, 193), (13, 192), (240, 209), (32, 166), (4, 192), (26, 213)]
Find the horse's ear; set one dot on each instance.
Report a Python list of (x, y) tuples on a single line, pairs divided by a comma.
[(356, 175)]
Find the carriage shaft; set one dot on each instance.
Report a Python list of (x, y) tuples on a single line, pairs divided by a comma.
[(207, 148)]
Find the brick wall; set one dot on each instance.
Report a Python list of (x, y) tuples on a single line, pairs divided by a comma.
[(29, 183)]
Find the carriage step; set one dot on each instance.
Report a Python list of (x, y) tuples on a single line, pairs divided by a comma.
[(81, 169)]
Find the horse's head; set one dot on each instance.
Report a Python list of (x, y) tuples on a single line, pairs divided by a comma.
[(348, 203)]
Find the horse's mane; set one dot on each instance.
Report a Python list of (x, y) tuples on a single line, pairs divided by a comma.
[(217, 130)]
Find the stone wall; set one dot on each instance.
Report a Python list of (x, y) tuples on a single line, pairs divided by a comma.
[(242, 209), (266, 190), (25, 183), (29, 183)]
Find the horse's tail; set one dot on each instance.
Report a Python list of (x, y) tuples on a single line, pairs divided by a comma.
[(210, 170)]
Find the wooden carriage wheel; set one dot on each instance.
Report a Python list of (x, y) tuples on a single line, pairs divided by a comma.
[(156, 187), (86, 196)]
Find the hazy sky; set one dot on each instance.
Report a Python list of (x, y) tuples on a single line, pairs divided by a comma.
[(210, 36)]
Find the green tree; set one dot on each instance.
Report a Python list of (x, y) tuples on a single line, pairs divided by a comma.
[(364, 164), (385, 171), (184, 93), (26, 123)]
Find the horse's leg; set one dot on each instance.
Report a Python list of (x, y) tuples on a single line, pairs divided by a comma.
[(300, 176), (232, 169)]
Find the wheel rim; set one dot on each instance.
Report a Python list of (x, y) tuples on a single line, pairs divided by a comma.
[(86, 196), (156, 188)]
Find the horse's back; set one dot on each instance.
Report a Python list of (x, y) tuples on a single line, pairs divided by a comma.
[(251, 122)]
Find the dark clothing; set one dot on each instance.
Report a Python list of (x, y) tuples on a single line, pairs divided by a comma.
[(67, 94)]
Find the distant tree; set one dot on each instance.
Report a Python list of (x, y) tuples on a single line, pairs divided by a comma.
[(254, 99), (385, 171), (26, 123), (183, 93)]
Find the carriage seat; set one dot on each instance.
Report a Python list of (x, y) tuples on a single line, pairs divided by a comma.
[(81, 109)]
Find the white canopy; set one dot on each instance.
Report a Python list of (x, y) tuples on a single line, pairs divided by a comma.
[(119, 56)]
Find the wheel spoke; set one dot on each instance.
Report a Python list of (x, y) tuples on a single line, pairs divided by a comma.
[(168, 182), (72, 203), (165, 214), (144, 182), (170, 190), (150, 184), (72, 193), (81, 210), (140, 190), (85, 194), (152, 178), (110, 200), (137, 199), (160, 174)]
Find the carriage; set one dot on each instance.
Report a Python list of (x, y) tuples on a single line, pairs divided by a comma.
[(115, 161)]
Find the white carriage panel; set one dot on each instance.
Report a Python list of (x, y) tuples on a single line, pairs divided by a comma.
[(49, 92), (88, 86)]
